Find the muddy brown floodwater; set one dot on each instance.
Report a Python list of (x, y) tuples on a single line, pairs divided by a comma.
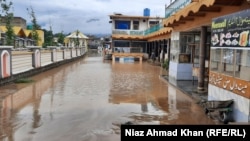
[(88, 100)]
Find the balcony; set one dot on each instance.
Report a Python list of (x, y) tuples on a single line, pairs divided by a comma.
[(127, 50), (175, 6), (128, 32), (139, 34), (153, 29)]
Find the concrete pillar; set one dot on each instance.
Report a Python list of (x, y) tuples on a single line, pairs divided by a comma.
[(140, 59), (5, 61), (201, 75), (113, 58), (63, 53), (163, 50), (53, 54), (71, 52), (168, 48), (36, 56)]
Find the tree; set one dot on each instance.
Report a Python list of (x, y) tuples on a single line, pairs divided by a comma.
[(48, 40), (35, 26), (61, 37), (8, 17)]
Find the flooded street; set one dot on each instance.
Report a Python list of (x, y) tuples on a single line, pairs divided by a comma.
[(88, 99)]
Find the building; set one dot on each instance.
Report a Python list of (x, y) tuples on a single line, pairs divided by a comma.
[(94, 42), (188, 35), (23, 35), (76, 39), (128, 32), (16, 21)]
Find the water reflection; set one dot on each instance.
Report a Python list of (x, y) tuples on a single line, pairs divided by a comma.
[(89, 99)]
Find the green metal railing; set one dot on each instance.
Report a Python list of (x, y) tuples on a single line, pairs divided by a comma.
[(153, 29)]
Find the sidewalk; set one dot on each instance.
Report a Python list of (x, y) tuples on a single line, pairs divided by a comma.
[(188, 87)]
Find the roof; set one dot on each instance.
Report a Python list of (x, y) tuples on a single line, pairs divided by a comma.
[(17, 30), (199, 8), (133, 17), (3, 29), (27, 33), (74, 35)]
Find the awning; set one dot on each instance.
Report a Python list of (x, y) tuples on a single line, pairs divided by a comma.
[(162, 31), (122, 36), (198, 8)]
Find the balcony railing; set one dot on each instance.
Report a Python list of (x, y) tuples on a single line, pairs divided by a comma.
[(127, 49), (128, 32), (153, 29), (150, 30), (175, 7)]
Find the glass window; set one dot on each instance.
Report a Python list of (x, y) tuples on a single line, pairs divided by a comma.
[(135, 25), (232, 62), (215, 59), (121, 43), (122, 25), (228, 61), (153, 23), (138, 44), (243, 64)]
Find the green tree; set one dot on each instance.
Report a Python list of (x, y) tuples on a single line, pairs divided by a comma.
[(35, 26), (61, 37), (8, 17), (48, 38)]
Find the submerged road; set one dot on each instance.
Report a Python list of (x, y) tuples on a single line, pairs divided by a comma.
[(89, 99)]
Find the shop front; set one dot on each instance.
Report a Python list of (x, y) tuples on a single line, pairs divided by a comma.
[(185, 55), (229, 76)]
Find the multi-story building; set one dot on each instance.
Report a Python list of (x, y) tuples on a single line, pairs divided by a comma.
[(202, 42), (128, 32)]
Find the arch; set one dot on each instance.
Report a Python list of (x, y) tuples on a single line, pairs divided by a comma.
[(37, 59), (5, 64)]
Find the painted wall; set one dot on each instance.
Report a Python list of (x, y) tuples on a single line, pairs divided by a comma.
[(241, 106)]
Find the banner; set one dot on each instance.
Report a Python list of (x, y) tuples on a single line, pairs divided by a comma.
[(231, 30)]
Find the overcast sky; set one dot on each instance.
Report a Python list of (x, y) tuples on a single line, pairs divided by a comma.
[(88, 16)]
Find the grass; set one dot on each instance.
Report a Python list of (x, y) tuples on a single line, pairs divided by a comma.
[(24, 80)]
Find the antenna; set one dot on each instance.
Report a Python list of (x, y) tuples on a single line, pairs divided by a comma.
[(50, 23)]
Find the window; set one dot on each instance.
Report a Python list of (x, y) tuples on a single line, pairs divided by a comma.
[(233, 62), (215, 59), (228, 56), (121, 43), (242, 67), (135, 25), (122, 25), (153, 23)]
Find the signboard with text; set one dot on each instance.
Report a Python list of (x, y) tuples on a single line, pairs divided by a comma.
[(231, 30)]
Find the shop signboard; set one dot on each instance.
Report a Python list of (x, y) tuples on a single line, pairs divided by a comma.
[(231, 30)]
